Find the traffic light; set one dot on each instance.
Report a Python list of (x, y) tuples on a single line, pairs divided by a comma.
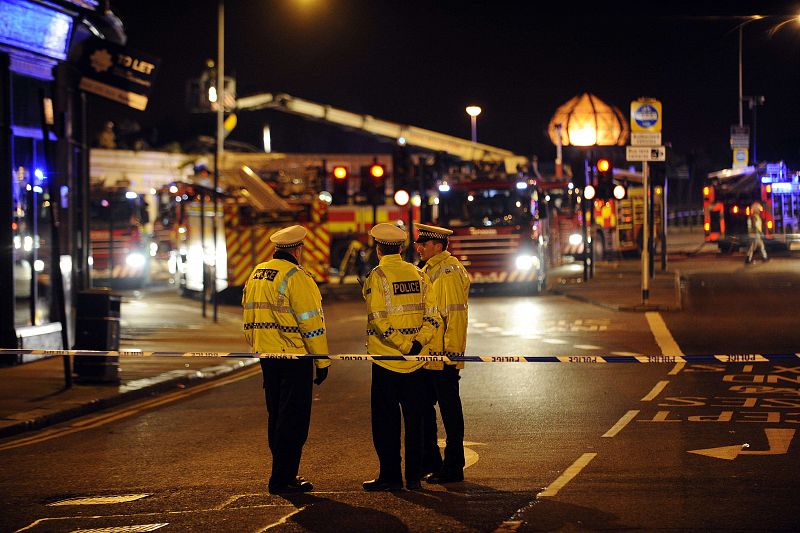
[(339, 176), (605, 179), (373, 183)]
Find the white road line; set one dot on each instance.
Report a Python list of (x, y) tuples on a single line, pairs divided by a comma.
[(656, 391), (567, 476), (662, 335), (621, 423)]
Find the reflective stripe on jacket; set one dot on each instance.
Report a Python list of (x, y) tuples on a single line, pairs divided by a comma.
[(283, 311), (400, 310), (450, 289)]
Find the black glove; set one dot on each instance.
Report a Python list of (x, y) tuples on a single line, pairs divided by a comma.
[(322, 375), (416, 348)]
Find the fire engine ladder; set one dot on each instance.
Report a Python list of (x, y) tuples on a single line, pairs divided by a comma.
[(412, 135)]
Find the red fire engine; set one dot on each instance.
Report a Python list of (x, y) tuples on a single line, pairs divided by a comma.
[(727, 197), (119, 248)]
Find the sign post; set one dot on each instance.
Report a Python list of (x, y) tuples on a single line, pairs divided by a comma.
[(646, 128)]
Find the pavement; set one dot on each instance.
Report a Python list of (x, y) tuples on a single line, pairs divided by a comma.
[(33, 395)]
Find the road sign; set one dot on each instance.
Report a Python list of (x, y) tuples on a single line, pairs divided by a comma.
[(645, 153), (646, 115), (645, 138), (740, 137), (740, 157)]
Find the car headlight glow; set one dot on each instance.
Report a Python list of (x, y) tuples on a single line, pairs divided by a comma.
[(135, 260), (524, 262), (575, 239)]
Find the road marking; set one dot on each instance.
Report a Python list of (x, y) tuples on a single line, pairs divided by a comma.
[(139, 528), (778, 439), (284, 519), (508, 526), (100, 500), (105, 418), (656, 391), (662, 335), (621, 423), (587, 347), (676, 369), (626, 354), (567, 476)]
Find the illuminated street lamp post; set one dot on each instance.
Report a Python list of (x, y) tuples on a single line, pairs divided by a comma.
[(586, 121), (473, 111)]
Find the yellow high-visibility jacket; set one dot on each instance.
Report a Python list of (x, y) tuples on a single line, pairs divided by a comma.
[(451, 290), (283, 311), (400, 310)]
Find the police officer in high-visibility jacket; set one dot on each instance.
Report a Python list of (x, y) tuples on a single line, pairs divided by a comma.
[(283, 314), (451, 290), (401, 319)]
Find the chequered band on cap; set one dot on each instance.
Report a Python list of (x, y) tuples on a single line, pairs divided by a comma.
[(289, 237), (426, 232)]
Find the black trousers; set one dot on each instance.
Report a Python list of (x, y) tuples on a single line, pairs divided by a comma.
[(287, 389), (442, 388), (392, 392)]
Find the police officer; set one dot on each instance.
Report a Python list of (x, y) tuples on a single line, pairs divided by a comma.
[(401, 319), (283, 314), (451, 289)]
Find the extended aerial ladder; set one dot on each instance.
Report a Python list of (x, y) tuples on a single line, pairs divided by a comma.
[(401, 133)]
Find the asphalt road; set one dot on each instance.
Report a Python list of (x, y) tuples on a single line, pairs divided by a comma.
[(551, 446)]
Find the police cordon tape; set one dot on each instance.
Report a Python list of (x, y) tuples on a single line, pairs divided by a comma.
[(701, 358)]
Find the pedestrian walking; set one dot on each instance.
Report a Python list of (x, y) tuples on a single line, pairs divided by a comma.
[(755, 232), (283, 314), (401, 319), (451, 289)]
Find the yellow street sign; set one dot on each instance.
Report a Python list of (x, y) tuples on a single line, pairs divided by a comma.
[(646, 115)]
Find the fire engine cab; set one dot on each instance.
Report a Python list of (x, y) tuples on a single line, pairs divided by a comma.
[(727, 197)]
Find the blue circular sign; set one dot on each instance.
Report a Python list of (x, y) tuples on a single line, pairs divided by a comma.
[(646, 116), (740, 156)]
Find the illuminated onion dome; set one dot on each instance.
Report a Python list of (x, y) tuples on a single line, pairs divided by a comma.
[(588, 121)]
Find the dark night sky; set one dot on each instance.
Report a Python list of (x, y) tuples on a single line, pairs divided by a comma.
[(421, 62)]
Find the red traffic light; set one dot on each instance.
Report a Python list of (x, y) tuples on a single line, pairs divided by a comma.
[(340, 172), (603, 165), (376, 171)]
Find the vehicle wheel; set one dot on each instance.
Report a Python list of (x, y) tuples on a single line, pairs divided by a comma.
[(726, 247)]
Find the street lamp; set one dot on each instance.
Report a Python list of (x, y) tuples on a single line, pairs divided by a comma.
[(741, 98), (473, 111), (586, 121)]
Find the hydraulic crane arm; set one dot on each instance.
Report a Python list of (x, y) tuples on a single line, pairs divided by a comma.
[(413, 136)]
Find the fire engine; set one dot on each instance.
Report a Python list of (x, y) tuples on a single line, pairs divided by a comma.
[(498, 234), (727, 197), (496, 218), (119, 247), (615, 225)]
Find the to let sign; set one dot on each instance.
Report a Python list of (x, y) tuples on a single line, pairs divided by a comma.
[(117, 73)]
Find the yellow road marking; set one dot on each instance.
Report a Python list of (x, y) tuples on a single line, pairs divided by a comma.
[(656, 391), (662, 335), (567, 476), (621, 423), (676, 369), (106, 418)]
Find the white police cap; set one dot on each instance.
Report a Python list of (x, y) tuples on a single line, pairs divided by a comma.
[(390, 234), (289, 237)]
